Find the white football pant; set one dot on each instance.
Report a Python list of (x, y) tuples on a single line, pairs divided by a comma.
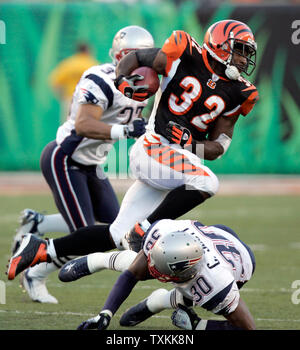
[(159, 168)]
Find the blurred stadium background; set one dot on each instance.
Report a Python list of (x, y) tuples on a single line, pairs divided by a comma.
[(259, 176)]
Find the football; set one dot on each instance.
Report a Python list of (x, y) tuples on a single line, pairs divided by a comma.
[(150, 78)]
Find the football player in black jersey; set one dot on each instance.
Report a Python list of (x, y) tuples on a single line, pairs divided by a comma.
[(201, 96)]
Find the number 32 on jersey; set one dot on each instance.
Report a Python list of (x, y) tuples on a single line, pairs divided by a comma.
[(192, 92)]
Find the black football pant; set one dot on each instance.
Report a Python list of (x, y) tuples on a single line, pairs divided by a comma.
[(82, 194)]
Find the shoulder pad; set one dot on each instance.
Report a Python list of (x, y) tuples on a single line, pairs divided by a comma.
[(175, 45), (249, 96)]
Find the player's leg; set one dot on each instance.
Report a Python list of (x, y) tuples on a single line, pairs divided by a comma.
[(189, 182), (86, 265), (93, 239), (33, 280), (68, 183), (104, 199), (139, 201), (35, 222), (156, 302)]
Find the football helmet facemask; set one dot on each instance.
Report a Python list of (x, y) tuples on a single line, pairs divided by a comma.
[(225, 38), (128, 39), (175, 257)]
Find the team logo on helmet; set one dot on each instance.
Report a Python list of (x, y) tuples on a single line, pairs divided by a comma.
[(183, 265)]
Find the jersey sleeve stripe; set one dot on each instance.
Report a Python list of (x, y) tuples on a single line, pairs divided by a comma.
[(217, 299), (103, 86), (234, 111), (247, 105)]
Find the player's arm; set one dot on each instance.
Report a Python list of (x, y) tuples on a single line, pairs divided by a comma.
[(160, 60), (219, 138), (125, 82), (138, 270), (88, 124), (241, 317), (214, 147), (221, 134), (154, 58)]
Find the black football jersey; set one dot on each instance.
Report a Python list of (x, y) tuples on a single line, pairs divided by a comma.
[(192, 94)]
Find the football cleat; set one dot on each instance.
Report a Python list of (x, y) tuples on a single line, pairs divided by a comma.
[(36, 288), (136, 314), (74, 269), (33, 250), (135, 237), (29, 221)]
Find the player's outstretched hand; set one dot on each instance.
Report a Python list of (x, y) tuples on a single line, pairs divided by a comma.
[(185, 318), (100, 322)]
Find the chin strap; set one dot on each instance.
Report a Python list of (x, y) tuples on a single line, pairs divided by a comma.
[(231, 71)]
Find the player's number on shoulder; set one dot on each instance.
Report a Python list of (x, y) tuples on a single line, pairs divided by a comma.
[(192, 92)]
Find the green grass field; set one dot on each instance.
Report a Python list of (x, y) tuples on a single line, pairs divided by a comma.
[(269, 224)]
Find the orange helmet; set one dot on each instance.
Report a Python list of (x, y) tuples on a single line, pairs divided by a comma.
[(226, 37)]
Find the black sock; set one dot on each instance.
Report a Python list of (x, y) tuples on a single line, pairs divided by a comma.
[(86, 240), (178, 202)]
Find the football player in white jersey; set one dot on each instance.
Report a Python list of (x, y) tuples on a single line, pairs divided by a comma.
[(207, 266), (99, 116)]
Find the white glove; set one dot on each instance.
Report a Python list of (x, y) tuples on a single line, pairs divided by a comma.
[(185, 318)]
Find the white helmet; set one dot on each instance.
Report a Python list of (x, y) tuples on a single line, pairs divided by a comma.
[(175, 257), (130, 38)]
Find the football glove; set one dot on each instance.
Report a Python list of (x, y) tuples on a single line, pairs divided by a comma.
[(100, 322), (125, 84), (135, 238), (185, 318), (136, 128), (177, 133)]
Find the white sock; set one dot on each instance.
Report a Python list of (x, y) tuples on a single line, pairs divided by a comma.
[(118, 261), (53, 223), (51, 249), (138, 203), (162, 299), (42, 270)]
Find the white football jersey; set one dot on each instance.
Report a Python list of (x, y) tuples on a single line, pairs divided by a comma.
[(226, 263), (96, 86)]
